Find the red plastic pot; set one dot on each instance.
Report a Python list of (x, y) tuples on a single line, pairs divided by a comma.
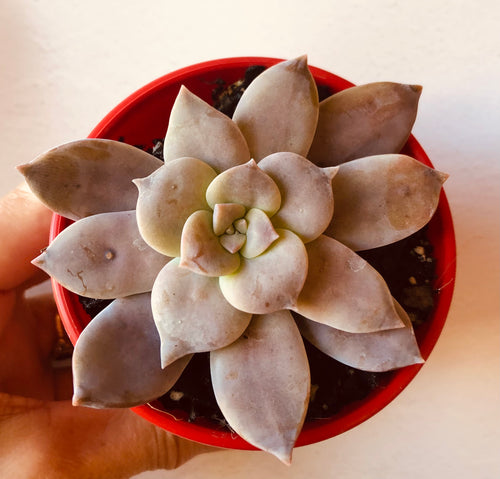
[(142, 117)]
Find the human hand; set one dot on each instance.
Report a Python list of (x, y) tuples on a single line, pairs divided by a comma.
[(41, 433)]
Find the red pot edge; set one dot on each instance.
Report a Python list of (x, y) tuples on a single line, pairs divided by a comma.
[(313, 431)]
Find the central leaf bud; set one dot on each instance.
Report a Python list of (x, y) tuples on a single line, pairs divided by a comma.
[(234, 237), (250, 234)]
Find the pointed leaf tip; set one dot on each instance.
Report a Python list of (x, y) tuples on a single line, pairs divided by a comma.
[(197, 129), (286, 121), (265, 405), (191, 314), (102, 256), (39, 261), (341, 272), (416, 88), (23, 169), (382, 199), (331, 171), (299, 62), (364, 120), (139, 182), (116, 362), (247, 185), (377, 352), (79, 179), (442, 177)]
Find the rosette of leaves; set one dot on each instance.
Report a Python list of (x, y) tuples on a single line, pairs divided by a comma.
[(212, 250)]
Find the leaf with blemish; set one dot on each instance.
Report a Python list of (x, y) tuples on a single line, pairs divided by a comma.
[(352, 296), (246, 185), (279, 110), (116, 361), (89, 176), (102, 256), (201, 250), (191, 314), (382, 199), (197, 129), (306, 194), (262, 382), (365, 120), (270, 281), (378, 351), (167, 198), (260, 233)]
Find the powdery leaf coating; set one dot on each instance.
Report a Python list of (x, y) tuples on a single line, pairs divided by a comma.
[(79, 179), (201, 250), (352, 295), (191, 314), (197, 129), (382, 199), (247, 185), (260, 233), (102, 256), (116, 361), (306, 194), (286, 121), (225, 214), (167, 198), (376, 352), (262, 381), (364, 120), (270, 281)]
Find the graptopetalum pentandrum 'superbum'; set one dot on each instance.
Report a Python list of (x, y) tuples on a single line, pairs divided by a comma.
[(211, 250)]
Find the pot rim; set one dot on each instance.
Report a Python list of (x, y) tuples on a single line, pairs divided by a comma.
[(440, 227)]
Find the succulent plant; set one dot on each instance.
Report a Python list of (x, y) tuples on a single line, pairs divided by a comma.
[(237, 229)]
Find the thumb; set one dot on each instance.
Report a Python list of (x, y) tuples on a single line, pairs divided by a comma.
[(25, 224)]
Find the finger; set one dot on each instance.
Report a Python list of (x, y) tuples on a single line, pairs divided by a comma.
[(22, 370), (35, 279), (7, 303), (35, 353), (59, 440), (24, 223), (63, 383), (53, 342), (42, 310)]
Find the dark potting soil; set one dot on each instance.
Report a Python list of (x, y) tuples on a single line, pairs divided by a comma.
[(226, 97), (407, 266)]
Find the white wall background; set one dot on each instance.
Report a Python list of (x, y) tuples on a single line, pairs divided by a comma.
[(65, 63)]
